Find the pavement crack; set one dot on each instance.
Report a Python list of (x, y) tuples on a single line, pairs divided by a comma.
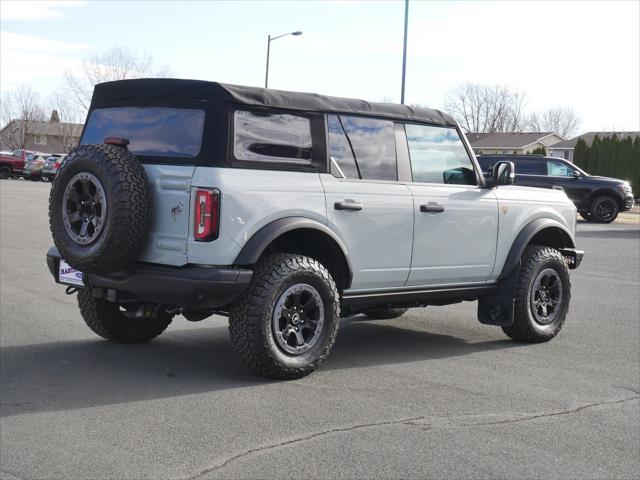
[(423, 422)]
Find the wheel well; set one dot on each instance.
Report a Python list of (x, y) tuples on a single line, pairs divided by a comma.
[(607, 193), (318, 245), (552, 237)]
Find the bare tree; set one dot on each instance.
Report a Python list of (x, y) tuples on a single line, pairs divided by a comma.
[(19, 108), (486, 108), (117, 63), (562, 120), (68, 119)]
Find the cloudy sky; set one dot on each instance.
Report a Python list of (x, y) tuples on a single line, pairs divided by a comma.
[(585, 55)]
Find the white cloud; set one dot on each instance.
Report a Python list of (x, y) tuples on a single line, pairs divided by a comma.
[(35, 10), (29, 59)]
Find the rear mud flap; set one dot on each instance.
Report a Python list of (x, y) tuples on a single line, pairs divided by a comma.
[(496, 310)]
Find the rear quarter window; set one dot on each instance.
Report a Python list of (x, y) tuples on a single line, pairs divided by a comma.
[(151, 131)]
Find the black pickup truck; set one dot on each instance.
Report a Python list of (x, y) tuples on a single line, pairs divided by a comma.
[(597, 199)]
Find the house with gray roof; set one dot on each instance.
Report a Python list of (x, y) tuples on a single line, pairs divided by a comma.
[(51, 136), (512, 143), (565, 148)]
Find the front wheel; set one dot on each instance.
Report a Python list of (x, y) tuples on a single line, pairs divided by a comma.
[(107, 319), (45, 178), (5, 172), (285, 323), (604, 210), (542, 297)]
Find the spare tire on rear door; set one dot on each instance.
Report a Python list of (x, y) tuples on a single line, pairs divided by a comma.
[(100, 208)]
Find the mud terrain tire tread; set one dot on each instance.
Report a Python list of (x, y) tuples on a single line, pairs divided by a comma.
[(524, 327), (105, 320), (250, 317), (129, 206)]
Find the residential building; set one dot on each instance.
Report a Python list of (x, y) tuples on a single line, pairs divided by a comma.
[(565, 148), (513, 143), (51, 136)]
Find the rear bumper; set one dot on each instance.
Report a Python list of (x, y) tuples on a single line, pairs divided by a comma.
[(188, 286)]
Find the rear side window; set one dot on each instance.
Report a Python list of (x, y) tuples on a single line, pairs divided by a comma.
[(438, 156), (371, 141), (152, 131), (530, 166), (272, 137), (340, 152)]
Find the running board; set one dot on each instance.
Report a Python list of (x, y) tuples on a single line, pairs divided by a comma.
[(408, 298)]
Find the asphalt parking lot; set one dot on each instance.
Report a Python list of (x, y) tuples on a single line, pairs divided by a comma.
[(433, 394)]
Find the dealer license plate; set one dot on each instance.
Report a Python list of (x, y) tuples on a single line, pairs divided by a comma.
[(69, 275)]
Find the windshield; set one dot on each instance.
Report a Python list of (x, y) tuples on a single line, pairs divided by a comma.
[(152, 131)]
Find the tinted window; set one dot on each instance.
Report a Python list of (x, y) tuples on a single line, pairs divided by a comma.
[(438, 156), (486, 164), (162, 132), (374, 145), (339, 149), (530, 166), (271, 137), (558, 169)]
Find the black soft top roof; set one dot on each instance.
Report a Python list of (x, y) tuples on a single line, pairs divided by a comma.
[(177, 89)]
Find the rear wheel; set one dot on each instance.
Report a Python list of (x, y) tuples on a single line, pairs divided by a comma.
[(604, 209), (5, 172), (284, 325), (45, 178), (542, 298), (108, 320), (385, 313)]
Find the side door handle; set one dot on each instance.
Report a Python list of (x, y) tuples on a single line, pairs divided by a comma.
[(347, 205), (432, 207)]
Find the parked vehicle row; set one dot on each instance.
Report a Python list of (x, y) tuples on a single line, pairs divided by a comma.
[(30, 165), (597, 199)]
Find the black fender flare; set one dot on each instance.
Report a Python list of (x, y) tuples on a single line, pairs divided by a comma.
[(524, 237), (253, 249)]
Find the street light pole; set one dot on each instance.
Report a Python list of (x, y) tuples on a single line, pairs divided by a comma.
[(404, 49), (269, 40)]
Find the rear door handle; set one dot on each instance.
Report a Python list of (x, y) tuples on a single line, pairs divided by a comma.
[(432, 207), (347, 205)]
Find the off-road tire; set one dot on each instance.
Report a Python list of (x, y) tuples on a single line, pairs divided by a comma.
[(107, 321), (250, 317), (5, 172), (385, 313), (596, 217), (128, 214), (525, 328)]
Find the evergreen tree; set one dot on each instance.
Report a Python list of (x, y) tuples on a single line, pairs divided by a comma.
[(634, 169), (604, 157), (539, 151), (624, 159), (580, 154), (594, 160)]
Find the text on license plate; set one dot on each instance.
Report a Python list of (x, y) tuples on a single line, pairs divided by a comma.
[(68, 274)]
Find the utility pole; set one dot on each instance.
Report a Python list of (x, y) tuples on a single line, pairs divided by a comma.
[(404, 49)]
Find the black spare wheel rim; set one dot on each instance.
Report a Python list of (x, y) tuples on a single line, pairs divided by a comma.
[(298, 319), (84, 208), (546, 296)]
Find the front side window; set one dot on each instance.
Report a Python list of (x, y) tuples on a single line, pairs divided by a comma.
[(558, 169), (530, 166), (438, 156), (374, 146), (152, 131), (271, 137)]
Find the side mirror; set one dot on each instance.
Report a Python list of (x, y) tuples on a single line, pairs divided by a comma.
[(576, 174), (503, 173)]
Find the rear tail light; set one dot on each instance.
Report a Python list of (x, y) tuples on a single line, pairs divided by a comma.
[(206, 215), (56, 165)]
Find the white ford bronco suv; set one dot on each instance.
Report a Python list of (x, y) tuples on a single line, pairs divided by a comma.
[(287, 211)]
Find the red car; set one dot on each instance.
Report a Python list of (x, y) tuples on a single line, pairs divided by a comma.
[(13, 165)]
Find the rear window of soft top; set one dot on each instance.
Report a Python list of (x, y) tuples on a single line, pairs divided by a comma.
[(151, 131)]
